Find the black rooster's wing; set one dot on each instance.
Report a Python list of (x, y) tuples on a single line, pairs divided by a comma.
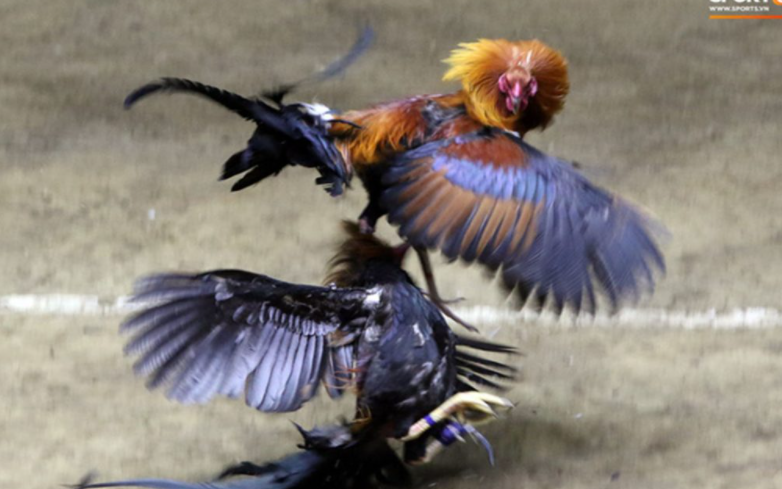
[(229, 331)]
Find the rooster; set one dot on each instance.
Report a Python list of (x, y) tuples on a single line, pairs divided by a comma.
[(371, 330), (454, 173)]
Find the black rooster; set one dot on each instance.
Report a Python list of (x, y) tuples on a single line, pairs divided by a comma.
[(371, 330)]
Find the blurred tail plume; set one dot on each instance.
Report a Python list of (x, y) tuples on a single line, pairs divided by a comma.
[(286, 134), (331, 458)]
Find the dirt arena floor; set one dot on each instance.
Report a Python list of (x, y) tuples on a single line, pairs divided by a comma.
[(675, 111)]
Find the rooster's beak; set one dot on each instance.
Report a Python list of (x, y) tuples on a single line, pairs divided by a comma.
[(513, 104)]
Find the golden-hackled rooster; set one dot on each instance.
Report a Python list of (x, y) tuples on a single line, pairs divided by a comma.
[(453, 172)]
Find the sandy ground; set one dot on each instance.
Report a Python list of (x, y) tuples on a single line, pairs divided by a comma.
[(677, 112)]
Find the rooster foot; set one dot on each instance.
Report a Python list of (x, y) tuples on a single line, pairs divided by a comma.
[(474, 408)]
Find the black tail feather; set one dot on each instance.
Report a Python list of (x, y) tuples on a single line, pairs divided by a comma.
[(466, 357), (263, 152), (231, 101), (247, 468), (331, 458), (476, 344), (472, 377), (476, 369), (286, 134), (238, 163), (258, 171), (153, 484), (336, 68)]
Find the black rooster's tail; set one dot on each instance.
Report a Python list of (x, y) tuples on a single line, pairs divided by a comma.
[(287, 134), (475, 369), (331, 458)]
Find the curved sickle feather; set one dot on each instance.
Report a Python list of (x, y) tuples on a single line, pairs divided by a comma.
[(284, 136), (492, 198), (251, 110), (364, 41), (228, 331), (245, 107)]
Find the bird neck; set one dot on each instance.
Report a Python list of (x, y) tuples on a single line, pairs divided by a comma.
[(486, 111)]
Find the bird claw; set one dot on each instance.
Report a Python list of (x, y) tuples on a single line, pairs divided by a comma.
[(449, 433), (467, 407), (478, 437)]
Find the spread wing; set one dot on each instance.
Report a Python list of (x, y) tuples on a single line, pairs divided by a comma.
[(228, 331), (489, 196)]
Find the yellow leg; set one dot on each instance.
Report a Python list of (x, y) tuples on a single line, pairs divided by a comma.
[(467, 407)]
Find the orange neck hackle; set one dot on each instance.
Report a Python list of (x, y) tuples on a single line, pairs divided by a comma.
[(517, 86)]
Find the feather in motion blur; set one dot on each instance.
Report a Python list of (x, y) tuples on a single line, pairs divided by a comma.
[(453, 172), (371, 330)]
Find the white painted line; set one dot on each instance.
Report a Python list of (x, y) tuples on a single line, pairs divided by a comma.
[(64, 304), (749, 318)]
